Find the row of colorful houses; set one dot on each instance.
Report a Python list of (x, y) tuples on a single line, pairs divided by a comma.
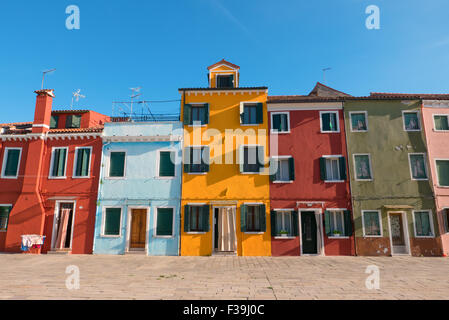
[(238, 172)]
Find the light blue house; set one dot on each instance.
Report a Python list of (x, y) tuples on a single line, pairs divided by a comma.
[(139, 194)]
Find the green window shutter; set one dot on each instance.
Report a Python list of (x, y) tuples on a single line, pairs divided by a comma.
[(342, 163), (68, 122), (117, 164), (76, 121), (59, 157), (259, 113), (187, 117), (273, 222), (243, 211), (326, 122), (262, 217), (327, 222), (348, 223), (276, 124), (443, 172), (54, 122), (295, 223), (445, 213), (82, 162), (164, 222), (273, 162), (12, 162), (206, 114), (291, 168), (205, 212), (186, 218), (4, 217), (166, 165), (112, 221), (205, 159), (187, 159), (323, 169)]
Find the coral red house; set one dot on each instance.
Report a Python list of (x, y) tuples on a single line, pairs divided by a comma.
[(49, 178), (309, 193)]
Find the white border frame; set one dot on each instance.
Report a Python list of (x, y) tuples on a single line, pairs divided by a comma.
[(75, 160), (198, 204), (242, 109), (283, 210), (379, 215), (417, 116), (370, 166), (366, 120), (320, 251), (254, 204), (158, 163), (6, 205), (197, 146), (425, 166), (213, 227), (103, 222), (337, 120), (342, 211), (282, 158), (242, 157), (52, 163), (439, 115), (339, 173), (436, 171), (108, 164), (56, 215), (128, 229), (5, 159), (405, 230), (430, 213), (271, 122), (155, 222), (197, 105)]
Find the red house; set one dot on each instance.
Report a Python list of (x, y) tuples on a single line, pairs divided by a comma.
[(49, 178), (309, 193)]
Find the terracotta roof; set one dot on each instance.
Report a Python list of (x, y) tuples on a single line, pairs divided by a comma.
[(223, 61), (222, 89), (70, 111), (322, 90), (298, 99), (434, 96), (77, 130), (14, 124)]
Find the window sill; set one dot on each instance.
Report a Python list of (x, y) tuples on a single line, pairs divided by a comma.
[(250, 172), (289, 181), (330, 131), (164, 237), (279, 132), (341, 237), (106, 236), (165, 178), (75, 177), (3, 230), (114, 178), (363, 179), (56, 178), (379, 236), (425, 237), (334, 181), (196, 232), (200, 173), (413, 130), (250, 124), (10, 178), (287, 238), (423, 179), (254, 232), (442, 131), (196, 126), (355, 131)]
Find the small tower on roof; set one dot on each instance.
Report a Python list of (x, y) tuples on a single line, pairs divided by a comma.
[(223, 75)]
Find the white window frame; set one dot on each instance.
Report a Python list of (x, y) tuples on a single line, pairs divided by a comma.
[(366, 120), (108, 164), (6, 205), (242, 110), (290, 211), (436, 170), (155, 222), (196, 105), (370, 166), (342, 212), (277, 158), (158, 163), (417, 116), (288, 122), (337, 120), (339, 173), (254, 204), (5, 159), (429, 212), (193, 147), (439, 115), (379, 215), (425, 166), (74, 176), (52, 163), (242, 157), (197, 204), (103, 221)]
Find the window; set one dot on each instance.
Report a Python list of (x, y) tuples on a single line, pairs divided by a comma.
[(251, 113), (329, 121), (225, 81), (11, 162), (284, 222), (4, 216), (54, 120), (333, 168), (371, 223), (362, 167), (442, 172), (252, 159), (285, 170), (252, 218), (164, 222), (112, 221), (411, 121), (441, 122), (280, 122), (338, 223), (196, 218), (423, 223), (196, 114), (358, 121), (82, 162), (166, 165), (418, 166), (73, 121), (196, 159), (445, 213), (58, 162), (117, 164)]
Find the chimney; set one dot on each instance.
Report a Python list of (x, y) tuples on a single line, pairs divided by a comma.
[(42, 113)]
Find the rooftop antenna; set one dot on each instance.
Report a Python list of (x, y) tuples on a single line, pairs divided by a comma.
[(135, 94), (324, 74), (76, 95), (43, 76)]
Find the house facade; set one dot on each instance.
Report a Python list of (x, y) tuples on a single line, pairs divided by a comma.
[(391, 189), (140, 189), (49, 178), (311, 212), (225, 183)]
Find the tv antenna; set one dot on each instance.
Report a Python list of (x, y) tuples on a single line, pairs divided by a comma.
[(135, 94), (324, 74), (43, 76), (76, 95)]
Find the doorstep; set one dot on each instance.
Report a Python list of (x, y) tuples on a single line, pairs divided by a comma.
[(60, 251)]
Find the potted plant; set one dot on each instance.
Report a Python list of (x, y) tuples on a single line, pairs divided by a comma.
[(283, 233), (337, 233)]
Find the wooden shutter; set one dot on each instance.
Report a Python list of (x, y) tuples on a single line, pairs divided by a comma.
[(243, 211), (259, 113), (262, 217), (12, 162), (342, 164), (323, 169), (187, 158), (205, 217), (295, 223), (273, 223), (327, 222), (186, 218), (205, 159), (166, 166), (291, 168), (187, 116), (348, 223), (206, 114)]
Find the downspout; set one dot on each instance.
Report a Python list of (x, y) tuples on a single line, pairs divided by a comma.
[(181, 172)]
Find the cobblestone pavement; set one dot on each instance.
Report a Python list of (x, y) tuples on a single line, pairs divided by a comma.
[(221, 277)]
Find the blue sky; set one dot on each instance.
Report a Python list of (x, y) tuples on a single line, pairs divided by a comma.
[(165, 45)]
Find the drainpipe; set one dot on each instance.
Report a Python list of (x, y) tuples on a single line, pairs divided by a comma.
[(181, 173)]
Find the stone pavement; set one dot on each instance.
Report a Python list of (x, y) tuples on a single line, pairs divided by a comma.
[(221, 277)]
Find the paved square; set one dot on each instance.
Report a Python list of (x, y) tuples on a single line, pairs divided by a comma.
[(221, 277)]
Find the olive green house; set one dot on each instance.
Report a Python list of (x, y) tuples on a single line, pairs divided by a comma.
[(393, 202)]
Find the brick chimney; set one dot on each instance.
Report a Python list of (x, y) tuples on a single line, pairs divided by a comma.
[(42, 113)]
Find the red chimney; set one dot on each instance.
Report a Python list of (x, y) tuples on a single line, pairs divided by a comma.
[(42, 113)]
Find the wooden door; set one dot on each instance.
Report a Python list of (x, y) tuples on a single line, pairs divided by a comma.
[(309, 233), (138, 228)]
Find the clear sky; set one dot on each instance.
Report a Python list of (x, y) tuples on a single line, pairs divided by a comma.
[(164, 45)]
